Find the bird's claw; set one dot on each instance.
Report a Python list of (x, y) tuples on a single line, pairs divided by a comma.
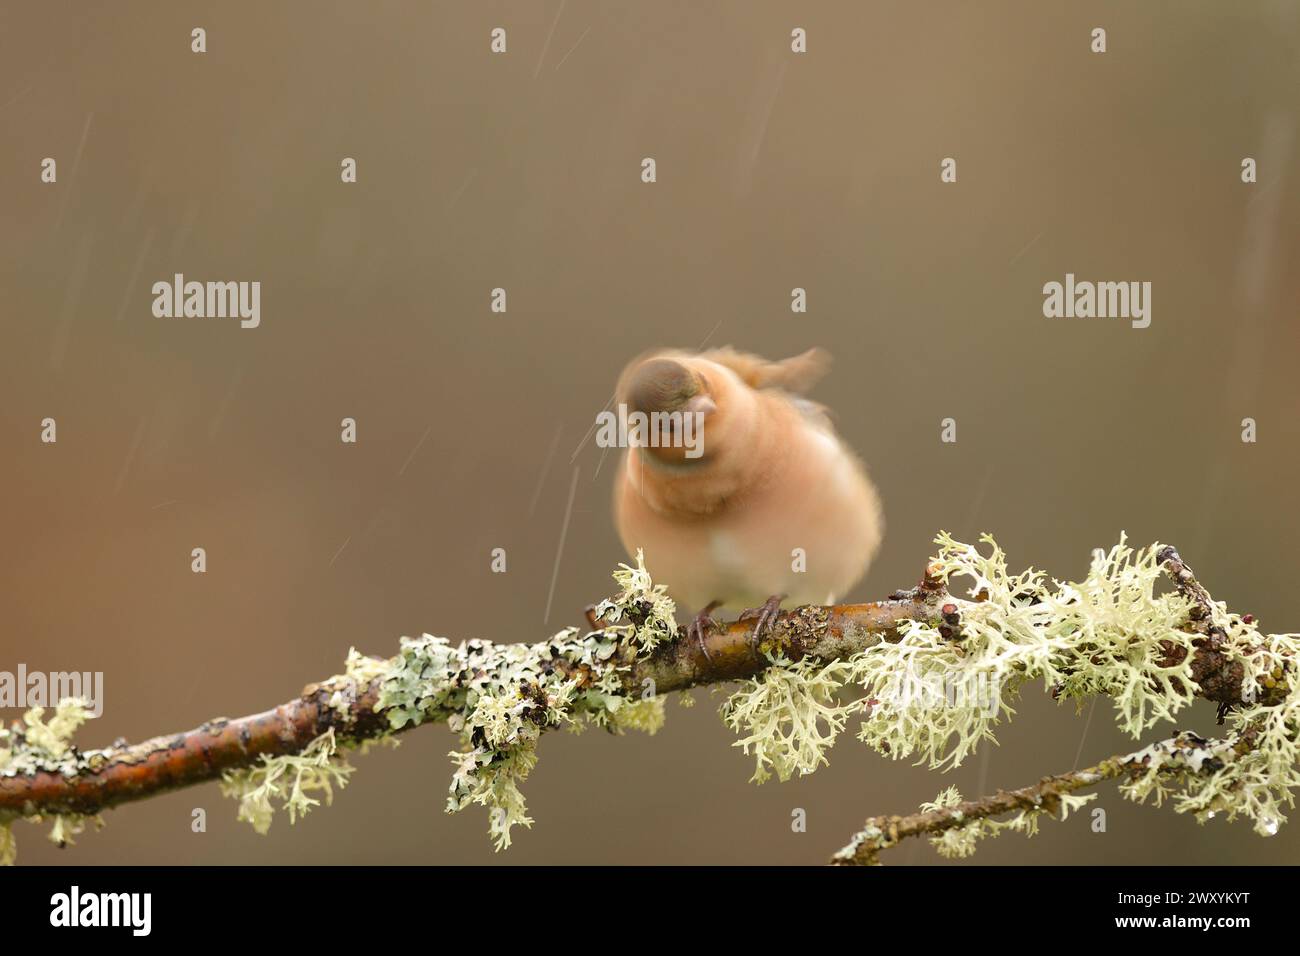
[(764, 617), (700, 625)]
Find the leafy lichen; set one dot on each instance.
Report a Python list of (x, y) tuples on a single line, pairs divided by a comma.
[(501, 698), (934, 695), (36, 744), (1251, 773), (289, 780), (960, 841), (940, 691), (641, 613), (1100, 636), (790, 716)]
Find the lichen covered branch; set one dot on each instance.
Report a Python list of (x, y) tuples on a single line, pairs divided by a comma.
[(954, 826), (1111, 634), (929, 674), (635, 655)]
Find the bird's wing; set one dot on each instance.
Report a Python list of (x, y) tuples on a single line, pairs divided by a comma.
[(814, 413)]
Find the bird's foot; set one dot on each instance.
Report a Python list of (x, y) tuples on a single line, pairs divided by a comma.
[(700, 625), (764, 618)]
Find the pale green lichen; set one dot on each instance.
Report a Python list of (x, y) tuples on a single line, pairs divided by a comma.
[(645, 715), (8, 844), (34, 745), (790, 715), (68, 826), (1100, 636), (358, 673), (645, 607), (55, 737), (960, 841), (1250, 774), (940, 691), (939, 698), (1253, 771), (500, 698), (289, 780), (361, 669), (934, 695)]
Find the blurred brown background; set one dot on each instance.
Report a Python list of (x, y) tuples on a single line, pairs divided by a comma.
[(522, 171)]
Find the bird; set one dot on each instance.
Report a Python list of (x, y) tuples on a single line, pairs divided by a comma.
[(770, 506)]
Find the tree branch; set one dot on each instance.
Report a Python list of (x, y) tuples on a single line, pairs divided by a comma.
[(1184, 754), (1218, 678), (88, 782), (102, 779)]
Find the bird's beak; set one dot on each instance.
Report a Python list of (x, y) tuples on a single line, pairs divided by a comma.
[(700, 403)]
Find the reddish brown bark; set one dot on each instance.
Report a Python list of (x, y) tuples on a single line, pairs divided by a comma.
[(137, 771), (166, 763)]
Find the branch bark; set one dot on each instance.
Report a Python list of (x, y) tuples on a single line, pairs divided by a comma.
[(882, 832), (1217, 678), (122, 774)]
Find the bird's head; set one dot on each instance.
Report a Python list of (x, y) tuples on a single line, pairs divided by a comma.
[(671, 398)]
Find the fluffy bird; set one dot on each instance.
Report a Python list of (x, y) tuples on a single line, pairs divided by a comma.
[(770, 506)]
